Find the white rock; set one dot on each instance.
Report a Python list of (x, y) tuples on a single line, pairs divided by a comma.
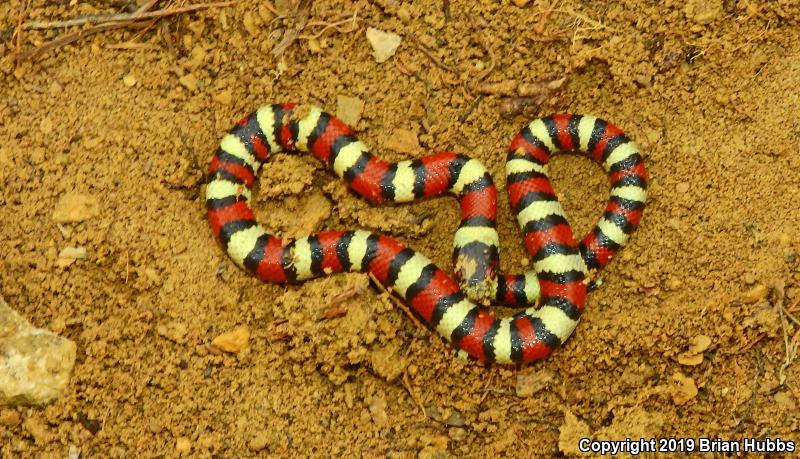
[(384, 44), (35, 364)]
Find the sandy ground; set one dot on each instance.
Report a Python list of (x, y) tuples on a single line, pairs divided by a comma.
[(692, 334)]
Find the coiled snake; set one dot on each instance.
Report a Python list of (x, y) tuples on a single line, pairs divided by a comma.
[(455, 309)]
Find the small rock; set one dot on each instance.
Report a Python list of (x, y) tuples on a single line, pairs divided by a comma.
[(68, 255), (233, 341), (433, 413), (75, 207), (674, 283), (689, 359), (259, 441), (73, 452), (783, 400), (129, 80), (183, 445), (46, 126), (35, 364), (250, 24), (700, 343), (55, 88), (388, 363), (377, 407), (384, 44), (755, 294), (173, 331), (456, 419), (189, 81), (224, 97), (694, 355), (457, 434), (349, 109), (683, 390), (155, 426), (682, 187), (9, 418), (703, 11), (749, 279), (198, 57), (314, 45), (57, 325), (403, 141), (521, 3)]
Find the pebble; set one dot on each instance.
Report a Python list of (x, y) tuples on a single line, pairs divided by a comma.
[(155, 426), (521, 3), (783, 400), (259, 441), (755, 294), (183, 445), (403, 141), (682, 187), (189, 81), (674, 283), (703, 11), (700, 343), (250, 24), (233, 341), (35, 364), (690, 359), (68, 255), (384, 44), (377, 408), (9, 418), (129, 80), (55, 88), (388, 363), (456, 419), (75, 207), (224, 97), (46, 126), (683, 390), (349, 109), (173, 331), (457, 434)]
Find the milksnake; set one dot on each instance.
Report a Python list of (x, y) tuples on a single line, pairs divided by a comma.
[(456, 310)]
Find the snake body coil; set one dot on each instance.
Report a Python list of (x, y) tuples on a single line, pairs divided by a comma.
[(456, 310)]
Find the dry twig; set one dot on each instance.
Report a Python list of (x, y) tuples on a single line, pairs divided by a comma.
[(139, 15), (20, 30), (756, 383), (107, 22), (413, 395), (399, 303), (302, 12), (432, 57), (790, 346)]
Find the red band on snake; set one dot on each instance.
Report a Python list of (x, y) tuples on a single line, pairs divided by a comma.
[(456, 310)]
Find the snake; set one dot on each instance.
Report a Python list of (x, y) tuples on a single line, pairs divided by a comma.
[(457, 307)]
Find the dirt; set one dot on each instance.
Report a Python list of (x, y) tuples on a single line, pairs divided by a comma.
[(103, 146)]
